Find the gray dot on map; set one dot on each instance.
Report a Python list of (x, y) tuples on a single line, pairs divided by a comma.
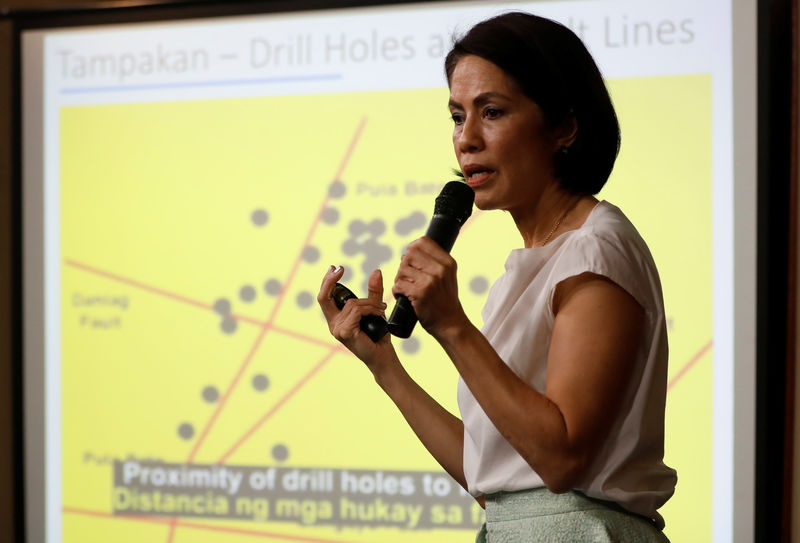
[(228, 324), (402, 227), (259, 217), (210, 394), (417, 219), (305, 299), (375, 256), (410, 345), (351, 247), (260, 382), (330, 215), (247, 293), (478, 285), (406, 225), (377, 227), (382, 253), (272, 287), (280, 452), (367, 266), (370, 246), (310, 254), (186, 430), (357, 227), (337, 189), (222, 306)]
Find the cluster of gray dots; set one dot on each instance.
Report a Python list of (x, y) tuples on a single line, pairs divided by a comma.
[(247, 294), (305, 299), (228, 322), (272, 286), (210, 394), (365, 239)]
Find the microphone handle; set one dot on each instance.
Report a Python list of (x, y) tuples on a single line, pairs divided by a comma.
[(443, 229), (403, 318), (372, 325)]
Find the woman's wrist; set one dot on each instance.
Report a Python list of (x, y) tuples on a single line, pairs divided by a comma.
[(388, 372), (453, 332)]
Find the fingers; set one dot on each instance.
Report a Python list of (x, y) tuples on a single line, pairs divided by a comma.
[(355, 309), (425, 255), (344, 324), (325, 296), (375, 287), (425, 247), (424, 263)]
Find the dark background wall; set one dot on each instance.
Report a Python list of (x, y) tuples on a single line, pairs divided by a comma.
[(6, 306), (10, 393)]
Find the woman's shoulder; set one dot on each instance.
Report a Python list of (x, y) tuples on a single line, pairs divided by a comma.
[(606, 217), (608, 244), (608, 225)]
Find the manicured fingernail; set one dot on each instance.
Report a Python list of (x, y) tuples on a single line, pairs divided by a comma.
[(383, 305), (330, 269), (338, 269)]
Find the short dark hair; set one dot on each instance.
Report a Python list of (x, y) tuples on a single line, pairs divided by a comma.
[(552, 67)]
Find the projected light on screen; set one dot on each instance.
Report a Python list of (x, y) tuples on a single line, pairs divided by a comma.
[(200, 177)]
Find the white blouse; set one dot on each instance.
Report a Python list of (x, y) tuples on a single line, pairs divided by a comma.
[(518, 317)]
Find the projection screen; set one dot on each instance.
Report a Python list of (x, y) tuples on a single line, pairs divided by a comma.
[(188, 182)]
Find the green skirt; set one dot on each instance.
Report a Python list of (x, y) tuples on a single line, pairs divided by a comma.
[(540, 515)]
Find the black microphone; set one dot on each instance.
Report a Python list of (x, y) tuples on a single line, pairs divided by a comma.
[(453, 208)]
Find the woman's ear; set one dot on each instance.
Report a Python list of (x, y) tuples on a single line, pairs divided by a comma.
[(567, 131)]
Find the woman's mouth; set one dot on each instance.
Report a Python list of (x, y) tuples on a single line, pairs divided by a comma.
[(476, 174)]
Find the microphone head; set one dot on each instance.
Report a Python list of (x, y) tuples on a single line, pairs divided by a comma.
[(455, 201)]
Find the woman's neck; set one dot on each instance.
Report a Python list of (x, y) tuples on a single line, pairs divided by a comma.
[(556, 211)]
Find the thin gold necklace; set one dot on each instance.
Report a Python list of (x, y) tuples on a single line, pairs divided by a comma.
[(557, 223)]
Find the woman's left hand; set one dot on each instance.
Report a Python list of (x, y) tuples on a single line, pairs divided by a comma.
[(427, 277)]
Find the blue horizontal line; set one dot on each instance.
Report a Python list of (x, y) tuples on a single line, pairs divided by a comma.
[(222, 83)]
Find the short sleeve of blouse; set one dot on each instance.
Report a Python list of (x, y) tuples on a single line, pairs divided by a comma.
[(618, 254)]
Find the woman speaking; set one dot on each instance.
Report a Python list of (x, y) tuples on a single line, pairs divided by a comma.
[(562, 392)]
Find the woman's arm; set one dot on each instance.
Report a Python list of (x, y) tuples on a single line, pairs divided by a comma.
[(439, 431), (596, 334)]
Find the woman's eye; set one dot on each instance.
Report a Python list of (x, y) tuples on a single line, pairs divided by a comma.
[(458, 118), (492, 112)]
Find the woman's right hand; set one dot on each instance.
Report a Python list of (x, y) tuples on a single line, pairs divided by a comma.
[(440, 432), (344, 324)]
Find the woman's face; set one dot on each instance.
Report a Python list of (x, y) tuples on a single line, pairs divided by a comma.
[(500, 138)]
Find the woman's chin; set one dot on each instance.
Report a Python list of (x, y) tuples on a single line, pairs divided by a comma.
[(484, 204)]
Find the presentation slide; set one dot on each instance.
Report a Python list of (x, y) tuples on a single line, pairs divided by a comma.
[(199, 179)]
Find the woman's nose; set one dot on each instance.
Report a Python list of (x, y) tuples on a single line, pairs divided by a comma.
[(469, 137)]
